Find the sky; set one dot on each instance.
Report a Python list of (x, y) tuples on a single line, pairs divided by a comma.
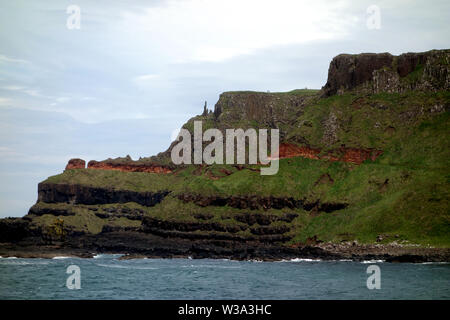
[(135, 71)]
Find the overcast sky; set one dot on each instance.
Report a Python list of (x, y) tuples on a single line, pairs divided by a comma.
[(135, 71)]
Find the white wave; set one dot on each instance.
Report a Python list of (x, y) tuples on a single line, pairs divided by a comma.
[(60, 257), (210, 266), (21, 262), (372, 261), (118, 266), (301, 260), (98, 256)]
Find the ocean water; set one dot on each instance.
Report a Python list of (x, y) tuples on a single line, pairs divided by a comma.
[(106, 277)]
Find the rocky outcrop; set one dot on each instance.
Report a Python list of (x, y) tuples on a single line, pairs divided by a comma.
[(351, 155), (263, 219), (374, 73), (188, 226), (128, 166), (267, 109), (15, 229), (82, 194), (39, 211), (117, 212), (215, 231), (111, 228), (76, 164), (258, 202)]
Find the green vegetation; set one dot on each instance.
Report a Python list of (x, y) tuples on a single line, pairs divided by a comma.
[(403, 195), (83, 218)]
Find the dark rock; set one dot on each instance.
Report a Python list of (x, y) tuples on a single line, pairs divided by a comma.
[(256, 202), (383, 72), (81, 194), (14, 229), (39, 211), (265, 230)]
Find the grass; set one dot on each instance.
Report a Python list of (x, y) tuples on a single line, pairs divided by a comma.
[(403, 195), (84, 219)]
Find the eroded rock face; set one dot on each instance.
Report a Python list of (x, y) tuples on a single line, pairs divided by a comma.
[(258, 203), (214, 231), (288, 150), (347, 71), (264, 108), (14, 229), (76, 164), (128, 167), (82, 194), (118, 164), (351, 155), (374, 73)]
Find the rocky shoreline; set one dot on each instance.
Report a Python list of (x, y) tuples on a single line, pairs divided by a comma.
[(182, 248)]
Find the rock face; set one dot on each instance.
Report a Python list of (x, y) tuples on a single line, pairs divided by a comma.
[(351, 155), (14, 229), (81, 194), (76, 164), (256, 203), (374, 73), (214, 231), (120, 164), (266, 109), (128, 167)]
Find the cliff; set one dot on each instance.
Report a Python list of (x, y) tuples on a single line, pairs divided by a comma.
[(363, 174), (375, 73)]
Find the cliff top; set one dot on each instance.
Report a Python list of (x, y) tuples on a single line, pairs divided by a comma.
[(384, 72)]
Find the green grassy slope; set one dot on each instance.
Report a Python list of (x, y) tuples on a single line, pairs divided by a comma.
[(402, 195)]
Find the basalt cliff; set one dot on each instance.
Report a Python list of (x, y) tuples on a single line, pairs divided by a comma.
[(363, 175)]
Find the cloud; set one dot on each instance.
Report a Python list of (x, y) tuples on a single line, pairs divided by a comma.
[(147, 81), (145, 78), (5, 101), (33, 92), (5, 59), (12, 88), (62, 99), (6, 152), (216, 30)]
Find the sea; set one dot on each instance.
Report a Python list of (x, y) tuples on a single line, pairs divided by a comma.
[(107, 277)]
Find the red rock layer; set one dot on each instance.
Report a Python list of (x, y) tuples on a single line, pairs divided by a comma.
[(351, 155), (76, 164), (128, 167), (290, 150)]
